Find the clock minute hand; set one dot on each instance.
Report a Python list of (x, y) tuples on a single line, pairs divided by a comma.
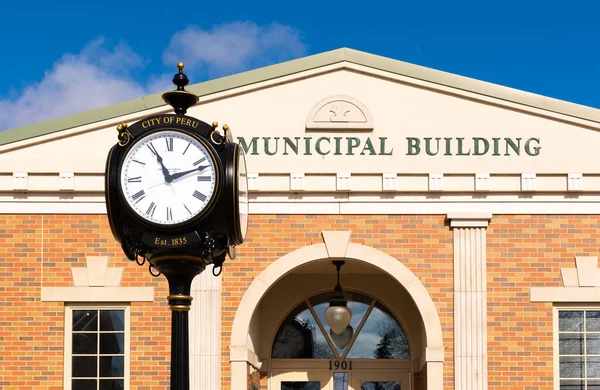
[(180, 174)]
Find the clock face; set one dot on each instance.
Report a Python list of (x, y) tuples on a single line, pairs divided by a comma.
[(168, 177), (242, 180)]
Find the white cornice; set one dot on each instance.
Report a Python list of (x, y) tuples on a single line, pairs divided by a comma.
[(334, 203)]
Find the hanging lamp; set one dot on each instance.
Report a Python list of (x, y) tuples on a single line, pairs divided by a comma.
[(338, 315)]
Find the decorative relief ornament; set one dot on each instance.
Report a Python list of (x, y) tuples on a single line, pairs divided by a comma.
[(339, 112)]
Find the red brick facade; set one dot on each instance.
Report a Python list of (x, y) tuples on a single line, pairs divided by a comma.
[(522, 252)]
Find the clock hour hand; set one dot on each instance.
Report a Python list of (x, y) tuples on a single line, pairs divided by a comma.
[(180, 174), (165, 171)]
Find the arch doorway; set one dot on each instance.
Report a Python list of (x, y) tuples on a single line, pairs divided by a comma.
[(307, 355), (298, 284)]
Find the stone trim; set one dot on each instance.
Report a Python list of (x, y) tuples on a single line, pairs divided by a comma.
[(466, 220), (97, 294), (46, 182), (580, 284), (345, 203), (97, 282), (470, 300)]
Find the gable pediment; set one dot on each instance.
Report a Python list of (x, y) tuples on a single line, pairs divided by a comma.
[(333, 127)]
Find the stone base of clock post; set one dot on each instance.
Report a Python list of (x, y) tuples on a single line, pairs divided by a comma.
[(179, 274)]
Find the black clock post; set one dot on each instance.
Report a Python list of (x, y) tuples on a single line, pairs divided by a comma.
[(176, 196)]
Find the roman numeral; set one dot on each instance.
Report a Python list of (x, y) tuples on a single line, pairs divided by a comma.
[(199, 161), (169, 214), (134, 179), (139, 162), (169, 144), (138, 196), (188, 210), (152, 149), (186, 148), (204, 178), (199, 196), (151, 209)]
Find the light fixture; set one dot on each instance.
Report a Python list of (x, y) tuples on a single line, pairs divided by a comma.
[(338, 315), (342, 340)]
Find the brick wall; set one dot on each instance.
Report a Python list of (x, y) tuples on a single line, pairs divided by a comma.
[(523, 251), (36, 250)]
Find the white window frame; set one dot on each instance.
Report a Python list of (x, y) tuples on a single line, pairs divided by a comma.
[(555, 333), (69, 332)]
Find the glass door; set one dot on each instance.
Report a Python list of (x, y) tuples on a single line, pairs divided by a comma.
[(327, 380), (300, 380), (380, 380)]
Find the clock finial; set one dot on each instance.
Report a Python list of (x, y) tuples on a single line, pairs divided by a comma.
[(180, 99)]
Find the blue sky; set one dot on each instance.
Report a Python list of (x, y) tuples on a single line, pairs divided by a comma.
[(62, 57)]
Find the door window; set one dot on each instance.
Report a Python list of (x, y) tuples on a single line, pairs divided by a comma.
[(311, 385), (373, 332)]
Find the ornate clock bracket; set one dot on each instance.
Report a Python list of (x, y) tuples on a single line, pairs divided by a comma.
[(124, 135)]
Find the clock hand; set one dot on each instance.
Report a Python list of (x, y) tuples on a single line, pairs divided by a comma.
[(165, 171), (180, 174), (155, 184)]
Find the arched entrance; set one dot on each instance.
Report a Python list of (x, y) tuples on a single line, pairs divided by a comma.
[(307, 355), (293, 278)]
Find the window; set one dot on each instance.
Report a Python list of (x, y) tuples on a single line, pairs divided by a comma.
[(97, 348), (373, 332), (579, 349)]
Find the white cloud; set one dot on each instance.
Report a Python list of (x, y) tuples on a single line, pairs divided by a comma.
[(234, 47), (100, 75), (93, 78)]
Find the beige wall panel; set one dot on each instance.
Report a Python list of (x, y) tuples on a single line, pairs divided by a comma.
[(366, 183), (76, 153), (505, 183), (42, 182), (274, 183), (398, 110), (319, 183), (551, 183), (591, 183), (413, 183), (459, 183), (89, 182), (6, 182)]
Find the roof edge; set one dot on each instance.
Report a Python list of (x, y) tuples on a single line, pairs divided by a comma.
[(155, 100), (300, 65), (472, 85)]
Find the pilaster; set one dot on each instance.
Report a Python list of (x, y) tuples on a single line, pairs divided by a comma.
[(205, 332), (470, 300)]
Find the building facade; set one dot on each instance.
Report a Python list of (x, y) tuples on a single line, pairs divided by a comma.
[(467, 216)]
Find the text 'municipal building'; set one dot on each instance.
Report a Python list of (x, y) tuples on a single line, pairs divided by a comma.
[(467, 215)]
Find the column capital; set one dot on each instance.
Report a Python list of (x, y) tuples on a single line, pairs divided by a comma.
[(468, 220)]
